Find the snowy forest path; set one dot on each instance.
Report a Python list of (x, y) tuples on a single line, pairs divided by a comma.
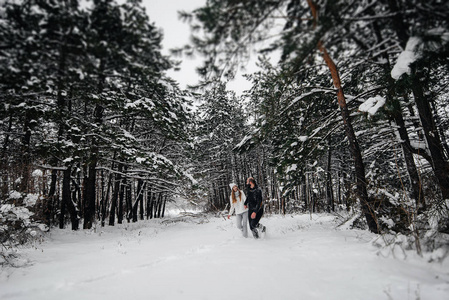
[(302, 257)]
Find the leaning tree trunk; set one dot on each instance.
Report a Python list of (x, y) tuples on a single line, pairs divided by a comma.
[(366, 203)]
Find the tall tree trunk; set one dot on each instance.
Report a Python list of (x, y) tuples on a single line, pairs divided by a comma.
[(90, 196), (150, 204), (121, 200), (140, 189), (366, 203), (159, 209), (416, 186), (48, 206), (129, 201), (105, 204), (67, 201), (25, 158), (440, 164), (163, 207), (4, 159), (396, 115), (329, 195), (65, 196), (118, 178)]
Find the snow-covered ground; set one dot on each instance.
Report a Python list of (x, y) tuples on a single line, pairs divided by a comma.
[(299, 259)]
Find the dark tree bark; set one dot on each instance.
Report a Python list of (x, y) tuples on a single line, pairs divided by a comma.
[(140, 191), (416, 186), (440, 164), (329, 194), (25, 156), (159, 209), (118, 178), (90, 196), (121, 201), (105, 203), (65, 197), (48, 206), (67, 202), (150, 204), (163, 207)]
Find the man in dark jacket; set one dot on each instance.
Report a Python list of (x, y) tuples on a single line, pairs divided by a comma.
[(254, 202)]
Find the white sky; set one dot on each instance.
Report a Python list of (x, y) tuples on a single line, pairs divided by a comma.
[(164, 13)]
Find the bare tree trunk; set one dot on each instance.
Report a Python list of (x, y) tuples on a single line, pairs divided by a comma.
[(329, 195), (67, 201), (150, 204), (159, 209), (141, 188), (90, 196), (163, 207), (121, 200), (114, 200)]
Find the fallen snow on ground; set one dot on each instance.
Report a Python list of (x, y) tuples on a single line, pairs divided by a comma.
[(302, 257)]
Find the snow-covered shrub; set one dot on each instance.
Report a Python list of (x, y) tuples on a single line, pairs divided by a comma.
[(17, 219)]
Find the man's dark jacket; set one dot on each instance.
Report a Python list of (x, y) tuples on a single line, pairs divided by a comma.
[(253, 198)]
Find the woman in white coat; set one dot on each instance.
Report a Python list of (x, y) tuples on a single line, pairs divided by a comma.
[(237, 200)]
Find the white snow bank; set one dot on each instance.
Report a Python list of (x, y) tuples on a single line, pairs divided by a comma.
[(303, 257)]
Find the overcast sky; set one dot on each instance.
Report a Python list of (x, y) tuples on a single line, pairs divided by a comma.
[(164, 13)]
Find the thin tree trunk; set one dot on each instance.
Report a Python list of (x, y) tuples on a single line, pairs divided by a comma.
[(159, 209), (163, 207), (140, 190), (150, 196), (89, 204), (118, 178), (440, 164), (416, 186), (129, 201), (67, 201), (65, 196), (329, 196), (121, 200)]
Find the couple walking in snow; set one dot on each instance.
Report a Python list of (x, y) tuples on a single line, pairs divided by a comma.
[(250, 205)]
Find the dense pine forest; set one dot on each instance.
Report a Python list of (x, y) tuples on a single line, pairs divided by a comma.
[(353, 117)]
